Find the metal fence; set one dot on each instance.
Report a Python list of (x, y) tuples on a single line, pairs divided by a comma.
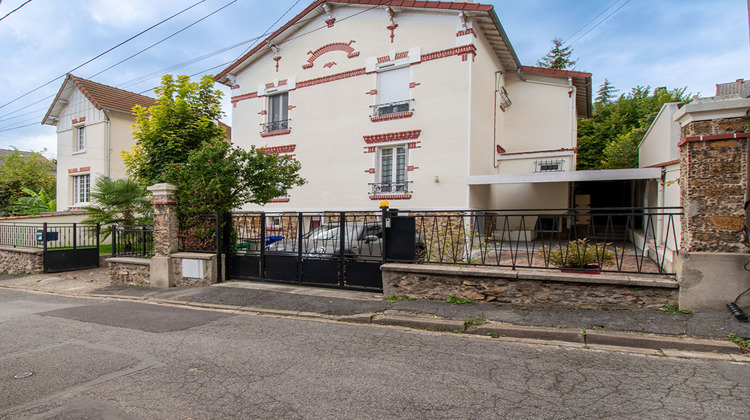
[(133, 241), (58, 235)]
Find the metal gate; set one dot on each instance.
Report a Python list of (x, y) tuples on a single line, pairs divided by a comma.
[(68, 247), (342, 249)]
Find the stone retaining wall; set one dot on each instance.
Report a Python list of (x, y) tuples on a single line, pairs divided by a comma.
[(208, 269), (527, 287), (21, 260), (129, 271)]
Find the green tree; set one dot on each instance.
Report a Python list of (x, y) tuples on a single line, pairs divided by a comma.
[(118, 202), (17, 171), (558, 57), (605, 93), (184, 116), (33, 203), (219, 178), (610, 139)]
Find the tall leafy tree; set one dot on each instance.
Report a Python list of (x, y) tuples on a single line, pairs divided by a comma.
[(558, 57), (19, 170), (609, 140), (185, 116), (605, 93)]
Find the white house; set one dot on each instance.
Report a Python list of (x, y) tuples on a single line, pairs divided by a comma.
[(93, 124), (424, 104)]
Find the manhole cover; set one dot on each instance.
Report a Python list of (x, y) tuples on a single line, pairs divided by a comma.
[(23, 375)]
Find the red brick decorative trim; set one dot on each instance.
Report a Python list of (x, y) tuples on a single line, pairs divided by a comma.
[(283, 82), (400, 55), (390, 197), (336, 46), (463, 51), (659, 165), (413, 145), (384, 59), (238, 98), (76, 170), (412, 85), (270, 85), (370, 171), (291, 107), (330, 22), (392, 28), (372, 92), (466, 32), (331, 78), (279, 200), (277, 59), (276, 133), (287, 148), (500, 149), (329, 65), (370, 149), (411, 168), (714, 137), (263, 112), (401, 135), (235, 87), (396, 116)]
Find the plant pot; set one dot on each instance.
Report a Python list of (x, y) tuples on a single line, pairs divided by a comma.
[(587, 269)]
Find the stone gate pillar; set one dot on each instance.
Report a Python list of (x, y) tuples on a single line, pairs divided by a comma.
[(714, 171), (166, 228)]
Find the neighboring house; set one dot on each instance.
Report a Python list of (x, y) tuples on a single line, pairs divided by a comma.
[(94, 124), (660, 147), (424, 104)]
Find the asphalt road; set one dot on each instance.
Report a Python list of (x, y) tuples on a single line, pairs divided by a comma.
[(92, 359)]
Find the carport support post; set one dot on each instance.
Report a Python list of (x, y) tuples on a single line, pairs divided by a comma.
[(165, 234)]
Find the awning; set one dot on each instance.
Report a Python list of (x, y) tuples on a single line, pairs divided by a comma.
[(573, 176)]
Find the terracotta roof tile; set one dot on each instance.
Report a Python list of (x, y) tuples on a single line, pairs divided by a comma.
[(108, 97)]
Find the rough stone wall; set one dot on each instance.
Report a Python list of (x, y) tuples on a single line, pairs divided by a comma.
[(130, 273), (180, 281), (526, 291), (166, 229), (713, 182), (21, 261)]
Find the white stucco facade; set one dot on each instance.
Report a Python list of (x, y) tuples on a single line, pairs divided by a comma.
[(457, 72)]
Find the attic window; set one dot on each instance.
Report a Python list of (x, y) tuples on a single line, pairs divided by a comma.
[(80, 140)]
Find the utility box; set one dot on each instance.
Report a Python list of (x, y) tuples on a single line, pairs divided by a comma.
[(400, 237)]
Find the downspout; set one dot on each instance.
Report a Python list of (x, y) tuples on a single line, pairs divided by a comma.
[(494, 120), (107, 149), (571, 95)]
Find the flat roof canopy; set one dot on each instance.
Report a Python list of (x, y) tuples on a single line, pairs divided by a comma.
[(573, 176)]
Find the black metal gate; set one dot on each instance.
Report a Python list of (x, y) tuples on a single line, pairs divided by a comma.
[(68, 247), (341, 249)]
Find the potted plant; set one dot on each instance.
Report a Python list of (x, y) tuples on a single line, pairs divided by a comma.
[(579, 256)]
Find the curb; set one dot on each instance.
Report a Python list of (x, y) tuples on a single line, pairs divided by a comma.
[(423, 323), (537, 333), (658, 342)]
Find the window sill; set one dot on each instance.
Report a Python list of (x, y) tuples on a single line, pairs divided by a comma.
[(276, 133), (78, 152), (389, 117), (390, 196)]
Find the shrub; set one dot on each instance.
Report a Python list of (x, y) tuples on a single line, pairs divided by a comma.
[(579, 253)]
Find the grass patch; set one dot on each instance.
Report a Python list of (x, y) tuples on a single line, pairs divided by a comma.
[(493, 335), (393, 298), (674, 308), (457, 300), (475, 321), (744, 343)]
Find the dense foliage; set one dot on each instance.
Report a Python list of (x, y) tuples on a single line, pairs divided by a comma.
[(185, 116), (609, 140), (33, 203), (118, 202), (17, 171), (558, 57)]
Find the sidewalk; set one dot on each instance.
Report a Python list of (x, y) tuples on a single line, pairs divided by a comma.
[(651, 329)]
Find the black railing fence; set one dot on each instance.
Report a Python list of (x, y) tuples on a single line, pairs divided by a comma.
[(626, 240), (133, 241), (49, 235)]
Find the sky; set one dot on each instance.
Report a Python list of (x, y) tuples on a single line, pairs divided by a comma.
[(672, 43)]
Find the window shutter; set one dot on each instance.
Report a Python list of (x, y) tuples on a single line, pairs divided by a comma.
[(393, 85)]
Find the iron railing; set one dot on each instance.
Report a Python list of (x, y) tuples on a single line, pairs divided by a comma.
[(389, 187), (58, 235), (271, 126), (391, 108), (133, 241)]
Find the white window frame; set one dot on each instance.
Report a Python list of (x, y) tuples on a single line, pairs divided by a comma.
[(79, 139), (81, 197), (277, 109), (393, 100), (391, 176)]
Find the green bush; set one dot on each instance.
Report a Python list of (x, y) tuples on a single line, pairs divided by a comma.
[(579, 253)]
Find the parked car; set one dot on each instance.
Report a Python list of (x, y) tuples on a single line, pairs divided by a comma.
[(360, 239)]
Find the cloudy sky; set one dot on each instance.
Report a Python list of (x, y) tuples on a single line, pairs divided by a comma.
[(673, 43)]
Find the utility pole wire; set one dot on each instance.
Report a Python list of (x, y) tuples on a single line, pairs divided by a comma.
[(592, 20), (105, 52), (11, 12), (600, 22)]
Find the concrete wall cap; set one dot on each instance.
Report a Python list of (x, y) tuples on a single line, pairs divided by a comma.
[(194, 256), (129, 260), (162, 188), (22, 250)]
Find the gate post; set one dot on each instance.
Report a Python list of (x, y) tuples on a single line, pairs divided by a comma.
[(165, 234)]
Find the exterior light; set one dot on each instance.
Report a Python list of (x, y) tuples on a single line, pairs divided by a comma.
[(384, 204)]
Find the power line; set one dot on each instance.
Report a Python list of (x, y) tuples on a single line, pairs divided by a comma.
[(589, 22), (269, 28), (11, 12), (600, 22), (105, 52)]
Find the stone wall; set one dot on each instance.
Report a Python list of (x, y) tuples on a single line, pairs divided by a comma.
[(21, 260), (129, 271), (527, 287), (713, 185), (208, 269)]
